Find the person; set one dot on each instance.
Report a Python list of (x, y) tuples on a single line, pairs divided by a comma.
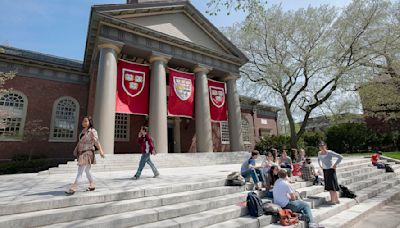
[(84, 152), (302, 155), (375, 158), (294, 155), (275, 155), (285, 162), (267, 163), (271, 179), (249, 168), (308, 172), (147, 146), (285, 196), (325, 157)]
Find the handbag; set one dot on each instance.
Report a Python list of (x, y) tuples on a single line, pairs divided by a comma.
[(287, 217)]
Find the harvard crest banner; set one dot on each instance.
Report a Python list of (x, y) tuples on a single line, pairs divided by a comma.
[(217, 100), (181, 94), (132, 88)]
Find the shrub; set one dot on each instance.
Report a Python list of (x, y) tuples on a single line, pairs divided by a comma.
[(311, 139), (348, 137), (276, 141)]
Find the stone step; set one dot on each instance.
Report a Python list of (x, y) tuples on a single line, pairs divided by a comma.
[(46, 217), (245, 222), (202, 219), (325, 212), (356, 186), (176, 212), (102, 197), (351, 216)]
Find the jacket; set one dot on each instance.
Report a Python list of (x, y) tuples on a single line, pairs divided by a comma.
[(142, 142)]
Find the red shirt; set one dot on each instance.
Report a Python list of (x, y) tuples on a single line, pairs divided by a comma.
[(374, 159)]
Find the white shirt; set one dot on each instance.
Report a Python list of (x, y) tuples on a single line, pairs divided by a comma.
[(281, 191), (147, 147)]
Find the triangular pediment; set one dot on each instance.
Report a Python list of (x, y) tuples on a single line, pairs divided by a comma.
[(178, 25)]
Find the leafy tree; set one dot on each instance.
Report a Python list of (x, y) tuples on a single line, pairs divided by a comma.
[(304, 56)]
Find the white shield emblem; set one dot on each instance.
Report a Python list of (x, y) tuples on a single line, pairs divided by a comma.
[(217, 96), (133, 82), (183, 88)]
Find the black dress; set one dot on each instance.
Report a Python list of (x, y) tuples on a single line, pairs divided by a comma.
[(331, 183)]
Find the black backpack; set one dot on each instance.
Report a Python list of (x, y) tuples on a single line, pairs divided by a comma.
[(346, 193), (254, 205), (388, 168)]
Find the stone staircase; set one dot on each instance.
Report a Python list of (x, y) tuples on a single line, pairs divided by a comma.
[(123, 162), (203, 203)]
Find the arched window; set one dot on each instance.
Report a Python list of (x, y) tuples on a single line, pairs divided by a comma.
[(64, 121), (13, 106), (245, 131)]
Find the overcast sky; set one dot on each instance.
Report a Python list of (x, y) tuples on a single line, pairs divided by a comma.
[(59, 27)]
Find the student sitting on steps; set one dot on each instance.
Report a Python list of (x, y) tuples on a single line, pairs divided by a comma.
[(249, 169)]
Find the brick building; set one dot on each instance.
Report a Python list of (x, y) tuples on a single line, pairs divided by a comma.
[(55, 93)]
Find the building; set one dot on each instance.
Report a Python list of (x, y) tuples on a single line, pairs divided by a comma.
[(321, 123), (54, 93)]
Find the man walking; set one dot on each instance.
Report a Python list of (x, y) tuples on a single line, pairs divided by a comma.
[(147, 146)]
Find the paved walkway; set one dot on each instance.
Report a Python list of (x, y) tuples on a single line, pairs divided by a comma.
[(29, 187), (386, 217)]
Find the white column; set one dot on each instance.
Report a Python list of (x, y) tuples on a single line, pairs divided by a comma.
[(234, 116), (158, 125), (177, 135), (106, 88), (202, 111)]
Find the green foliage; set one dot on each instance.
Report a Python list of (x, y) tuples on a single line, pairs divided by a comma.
[(311, 151), (348, 137), (311, 139), (277, 142), (29, 166)]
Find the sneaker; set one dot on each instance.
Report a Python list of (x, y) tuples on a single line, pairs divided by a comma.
[(135, 178), (156, 175), (330, 203)]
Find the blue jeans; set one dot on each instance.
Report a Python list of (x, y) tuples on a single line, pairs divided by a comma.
[(143, 160), (255, 174), (300, 206)]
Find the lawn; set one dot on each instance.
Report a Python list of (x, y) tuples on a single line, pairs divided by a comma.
[(395, 155)]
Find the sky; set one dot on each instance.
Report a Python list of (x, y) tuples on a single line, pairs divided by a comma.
[(59, 27)]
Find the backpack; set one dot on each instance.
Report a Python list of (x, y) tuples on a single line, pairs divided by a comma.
[(287, 217), (235, 179), (254, 205), (346, 193), (389, 169)]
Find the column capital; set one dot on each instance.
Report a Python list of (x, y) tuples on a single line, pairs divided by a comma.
[(107, 43), (229, 77), (201, 68), (159, 56)]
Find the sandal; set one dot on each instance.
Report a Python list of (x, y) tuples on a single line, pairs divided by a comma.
[(89, 189), (70, 192)]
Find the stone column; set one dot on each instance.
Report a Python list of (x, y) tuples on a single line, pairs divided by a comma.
[(106, 88), (158, 126), (234, 116), (177, 135), (202, 110)]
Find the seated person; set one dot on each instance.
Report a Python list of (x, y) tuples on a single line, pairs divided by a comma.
[(249, 168), (302, 155), (267, 163), (285, 162), (375, 158), (285, 196), (271, 177), (308, 172), (294, 155)]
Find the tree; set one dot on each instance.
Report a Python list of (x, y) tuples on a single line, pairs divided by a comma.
[(35, 132), (214, 6), (304, 56)]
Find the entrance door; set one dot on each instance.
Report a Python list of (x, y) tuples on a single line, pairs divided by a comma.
[(171, 138)]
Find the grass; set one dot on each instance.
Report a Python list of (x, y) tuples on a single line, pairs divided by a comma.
[(395, 155)]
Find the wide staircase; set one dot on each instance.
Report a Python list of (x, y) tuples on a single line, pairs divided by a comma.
[(205, 203)]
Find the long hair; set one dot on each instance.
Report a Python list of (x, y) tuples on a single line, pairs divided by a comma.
[(90, 121)]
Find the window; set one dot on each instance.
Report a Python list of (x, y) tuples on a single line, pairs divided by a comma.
[(13, 108), (224, 132), (264, 121), (64, 122), (245, 131), (121, 132)]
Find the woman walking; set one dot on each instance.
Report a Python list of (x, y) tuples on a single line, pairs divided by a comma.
[(325, 157), (84, 152)]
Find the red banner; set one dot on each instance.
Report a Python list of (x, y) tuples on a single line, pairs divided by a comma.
[(217, 100), (132, 88), (181, 94)]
